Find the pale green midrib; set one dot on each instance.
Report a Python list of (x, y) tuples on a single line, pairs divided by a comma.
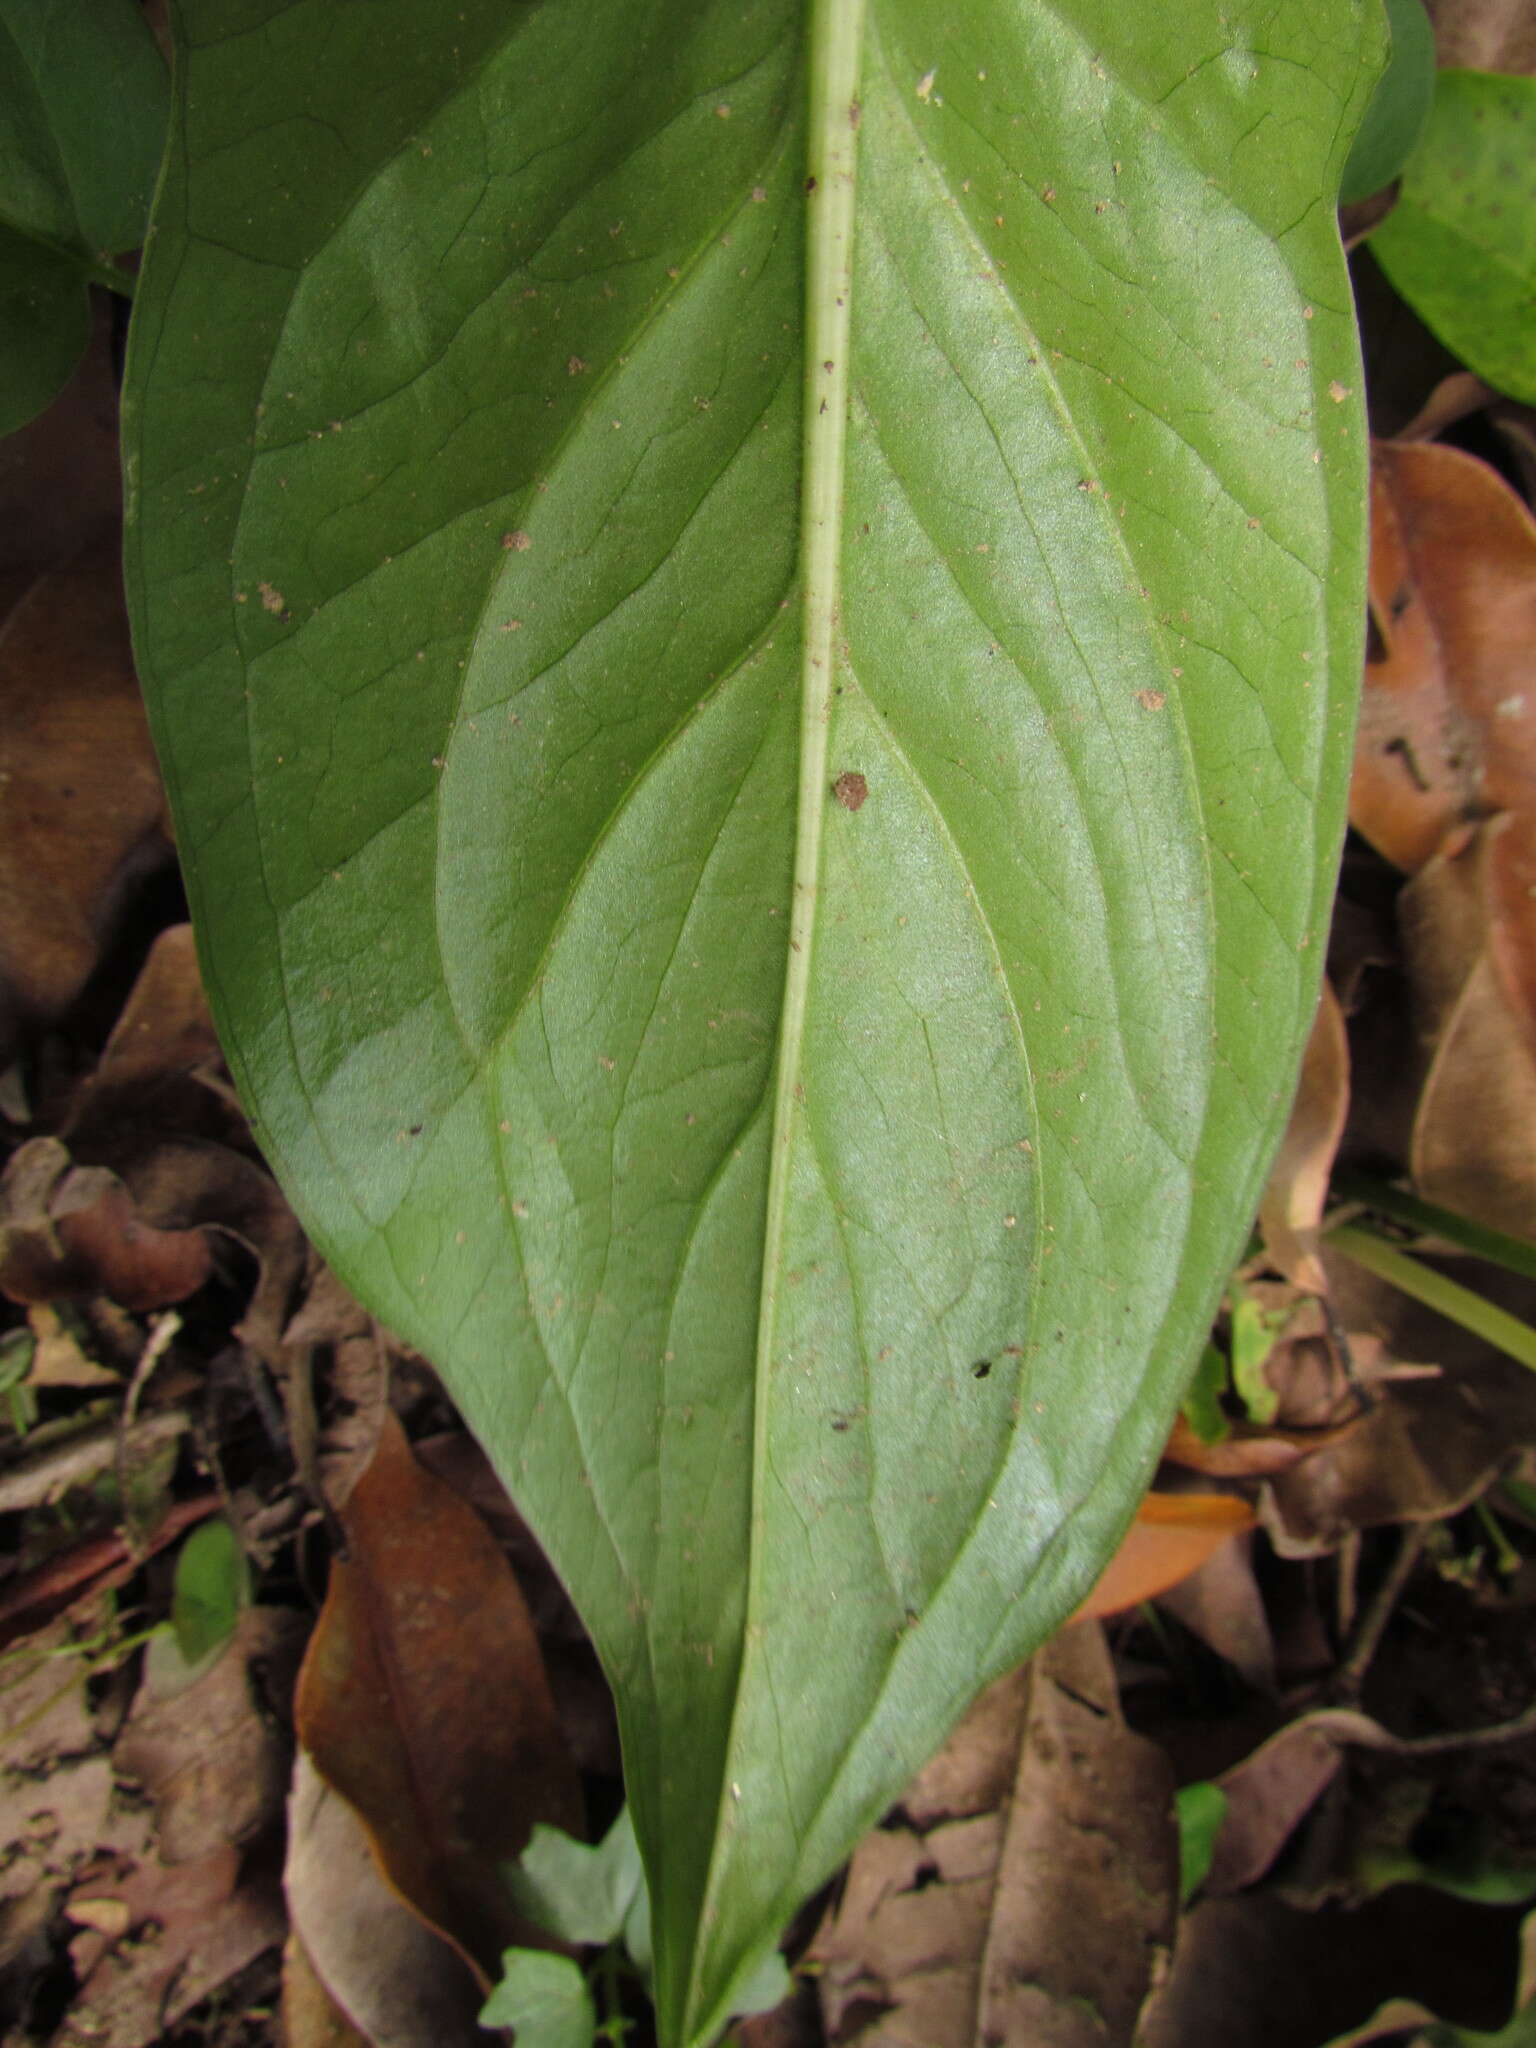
[(834, 45)]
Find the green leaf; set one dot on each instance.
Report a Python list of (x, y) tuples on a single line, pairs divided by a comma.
[(1395, 119), (545, 1998), (1254, 1330), (84, 104), (576, 1892), (1202, 1408), (1460, 245), (211, 1589), (764, 1987), (752, 624), (1200, 1809)]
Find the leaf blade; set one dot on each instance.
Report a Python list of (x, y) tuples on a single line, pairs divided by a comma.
[(507, 994)]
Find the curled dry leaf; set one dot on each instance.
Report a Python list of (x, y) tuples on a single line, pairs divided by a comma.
[(84, 807), (1030, 1898), (68, 1232), (1249, 1452), (1426, 1447), (359, 1957), (1448, 718), (1268, 1794), (1297, 1191), (423, 1701)]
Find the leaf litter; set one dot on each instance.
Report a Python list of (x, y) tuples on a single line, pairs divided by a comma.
[(1320, 1612)]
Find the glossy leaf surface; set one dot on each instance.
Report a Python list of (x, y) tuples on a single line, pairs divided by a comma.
[(752, 622)]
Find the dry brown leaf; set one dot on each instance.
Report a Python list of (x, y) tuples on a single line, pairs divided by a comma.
[(84, 812), (1425, 1448), (1292, 1206), (423, 1701), (1448, 717), (56, 1793), (375, 1964), (1249, 1451), (1173, 1535), (215, 1755), (1485, 35), (583, 1700), (68, 1232), (1268, 1794), (311, 2017), (1037, 1918), (60, 1359), (161, 1071), (1472, 1147), (190, 1929), (1222, 1605), (1250, 1972), (333, 1457)]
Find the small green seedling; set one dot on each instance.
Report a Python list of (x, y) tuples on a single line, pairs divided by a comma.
[(593, 1898)]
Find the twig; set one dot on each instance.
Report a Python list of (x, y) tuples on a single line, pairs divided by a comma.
[(164, 1328), (1348, 1725), (1378, 1612)]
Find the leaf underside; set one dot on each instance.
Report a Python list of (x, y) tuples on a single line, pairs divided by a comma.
[(764, 892)]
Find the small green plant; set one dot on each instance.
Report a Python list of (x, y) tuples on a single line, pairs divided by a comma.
[(212, 1588), (593, 1898)]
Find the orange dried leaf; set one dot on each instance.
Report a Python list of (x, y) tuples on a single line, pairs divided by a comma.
[(1173, 1535)]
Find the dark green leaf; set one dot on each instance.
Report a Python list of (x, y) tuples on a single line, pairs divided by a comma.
[(1203, 1409), (1399, 107), (762, 831), (45, 322), (84, 102), (212, 1587), (1460, 245), (545, 1998)]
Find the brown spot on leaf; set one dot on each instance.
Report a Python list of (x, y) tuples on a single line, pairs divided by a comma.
[(850, 789), (1151, 700)]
